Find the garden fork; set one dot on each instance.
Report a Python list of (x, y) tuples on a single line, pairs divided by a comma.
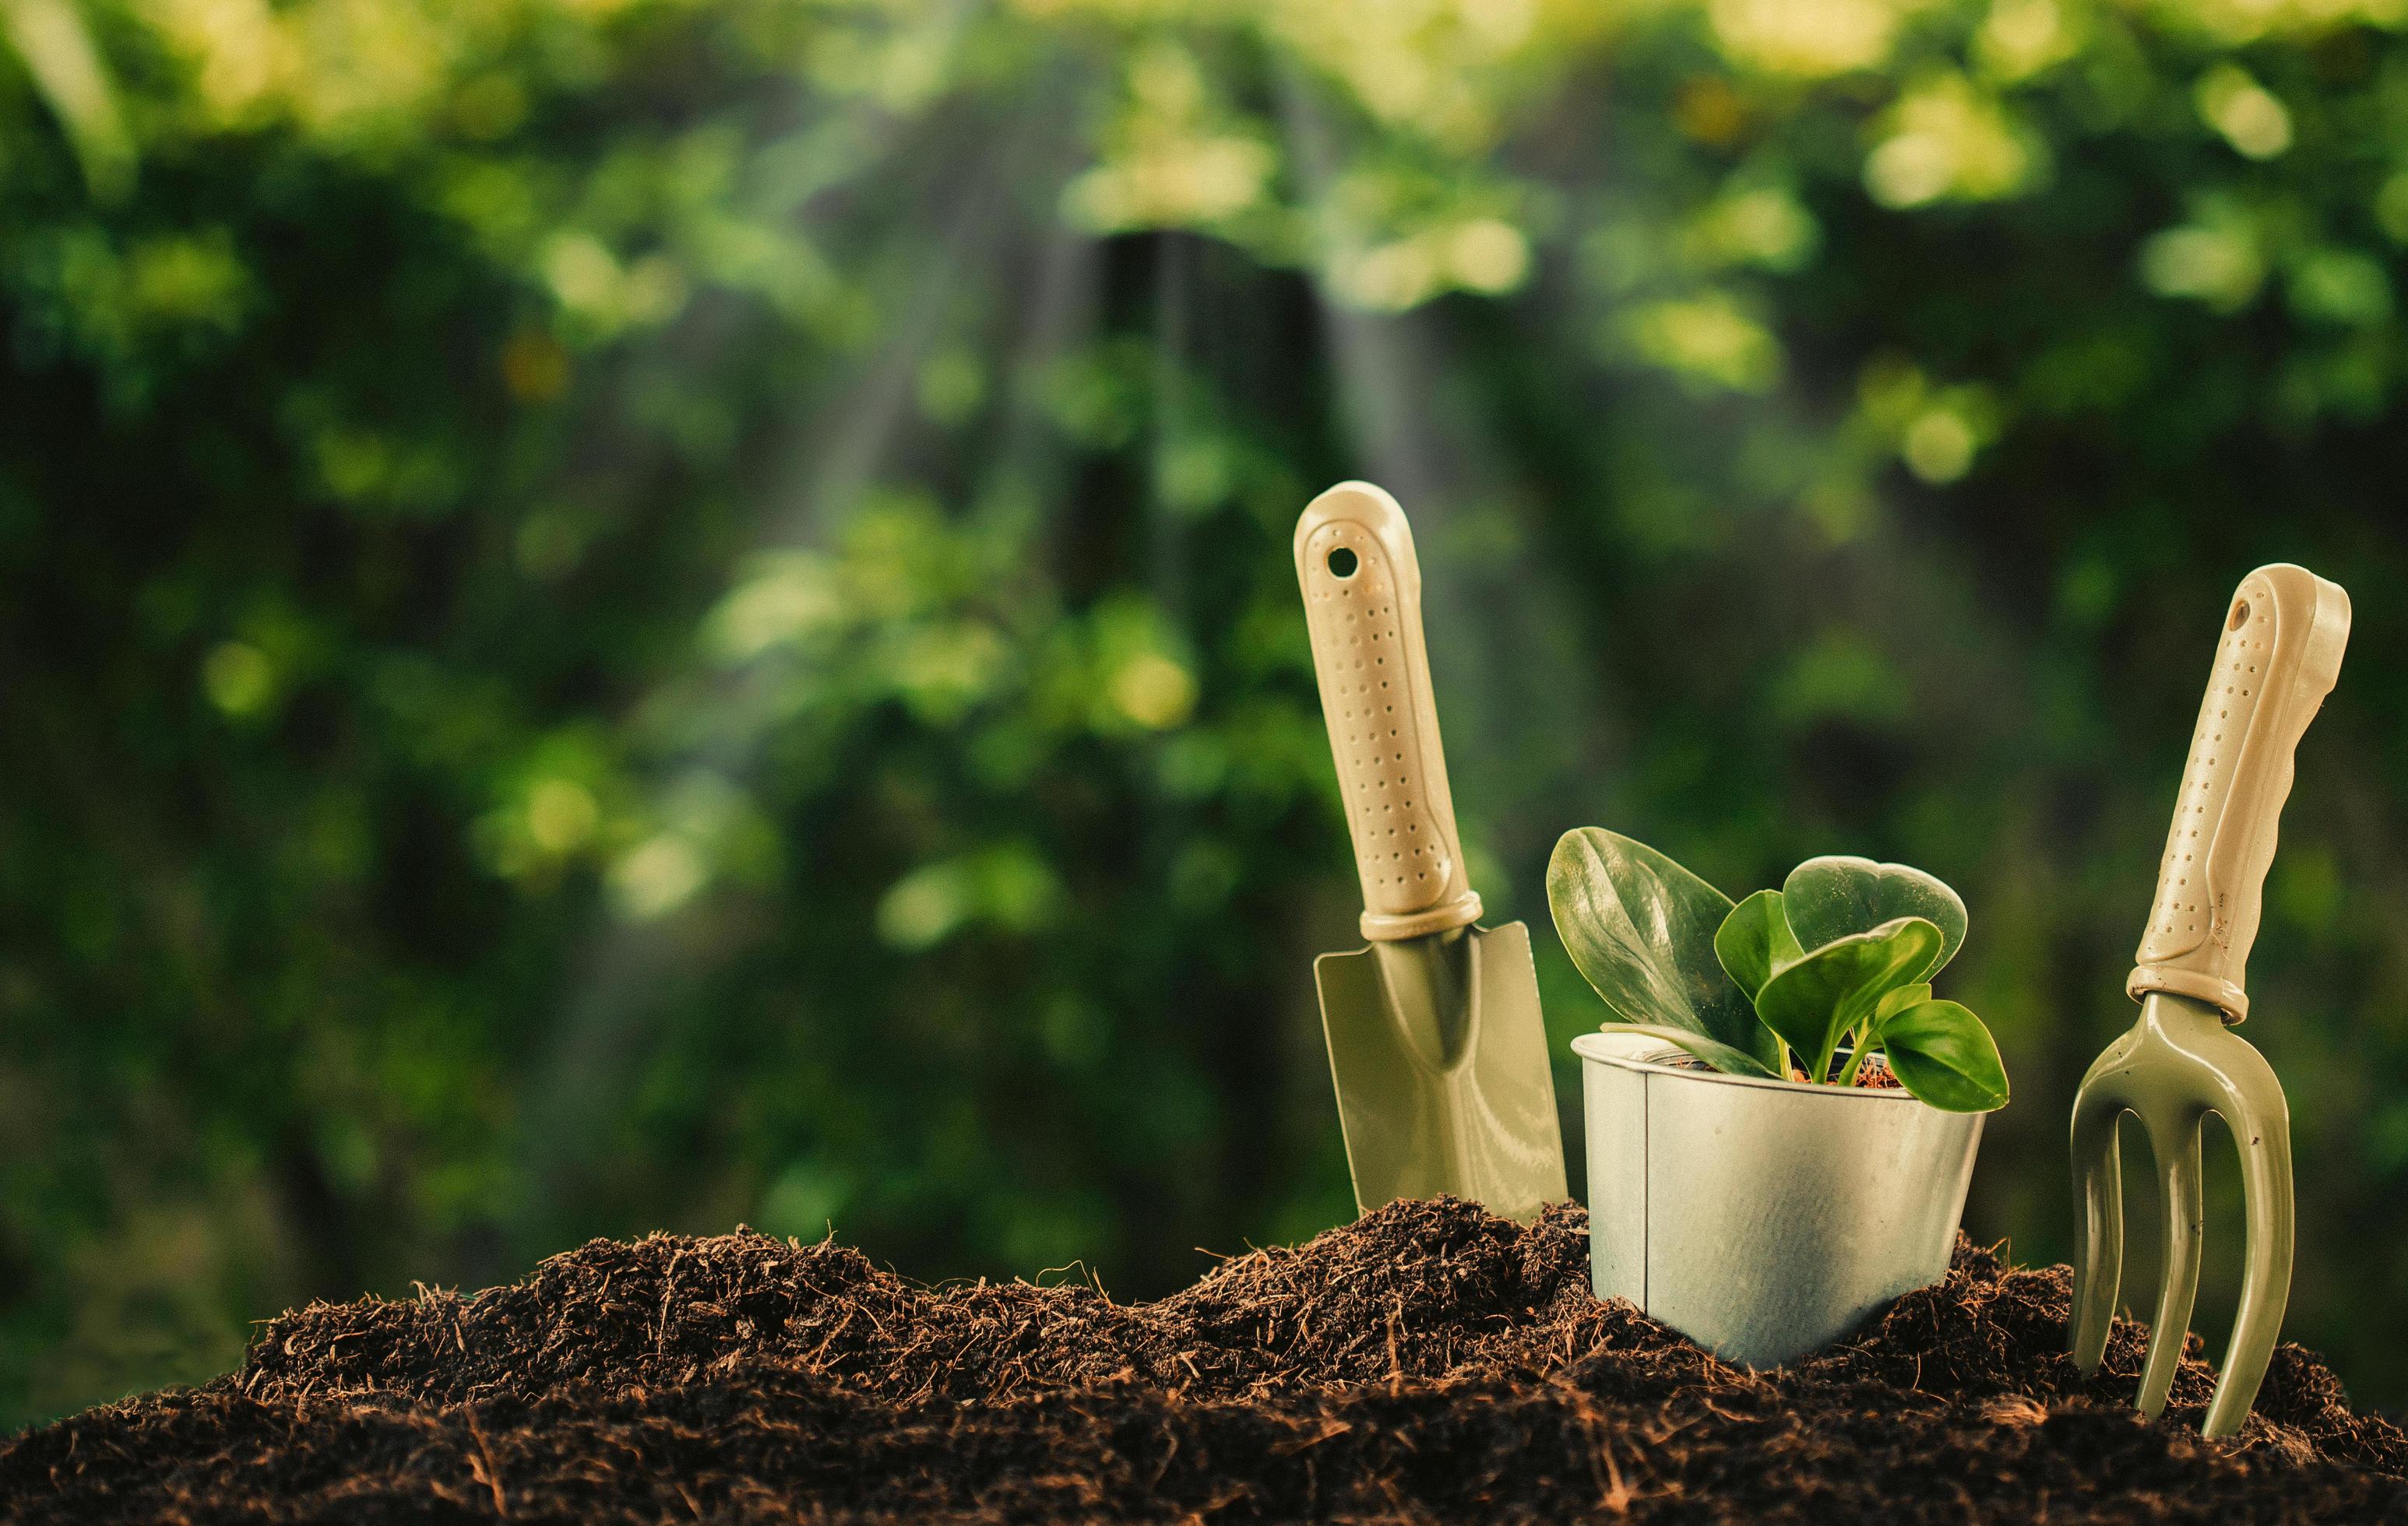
[(2280, 653)]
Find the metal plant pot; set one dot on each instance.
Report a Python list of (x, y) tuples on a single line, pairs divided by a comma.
[(1762, 1218)]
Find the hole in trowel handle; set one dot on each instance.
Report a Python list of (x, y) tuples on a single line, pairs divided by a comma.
[(1342, 563), (2240, 614)]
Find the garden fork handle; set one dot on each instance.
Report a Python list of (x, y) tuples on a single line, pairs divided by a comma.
[(2280, 653), (1363, 606)]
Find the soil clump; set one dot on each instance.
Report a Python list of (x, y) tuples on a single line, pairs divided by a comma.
[(1430, 1362)]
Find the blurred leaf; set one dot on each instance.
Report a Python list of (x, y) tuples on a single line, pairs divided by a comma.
[(57, 49)]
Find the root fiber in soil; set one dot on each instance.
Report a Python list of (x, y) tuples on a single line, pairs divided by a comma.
[(1428, 1362)]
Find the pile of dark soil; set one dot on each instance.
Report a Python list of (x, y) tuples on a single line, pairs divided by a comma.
[(1428, 1362)]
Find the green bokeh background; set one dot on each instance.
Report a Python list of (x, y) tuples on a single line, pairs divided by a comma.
[(644, 614)]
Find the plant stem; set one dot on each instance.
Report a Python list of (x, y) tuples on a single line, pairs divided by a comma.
[(1861, 1038)]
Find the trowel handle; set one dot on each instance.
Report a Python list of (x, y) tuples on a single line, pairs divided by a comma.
[(1363, 606), (2280, 653)]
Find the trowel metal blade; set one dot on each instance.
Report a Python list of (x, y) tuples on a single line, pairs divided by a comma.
[(1440, 1056)]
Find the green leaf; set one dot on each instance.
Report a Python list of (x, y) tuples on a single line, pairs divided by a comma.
[(1724, 1058), (1755, 942), (1941, 1052), (1814, 1001), (1642, 929), (1836, 897), (1900, 1000)]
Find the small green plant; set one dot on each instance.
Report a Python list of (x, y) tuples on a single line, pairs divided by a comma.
[(1839, 959)]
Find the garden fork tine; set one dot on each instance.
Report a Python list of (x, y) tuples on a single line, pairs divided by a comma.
[(2280, 653), (2178, 1064)]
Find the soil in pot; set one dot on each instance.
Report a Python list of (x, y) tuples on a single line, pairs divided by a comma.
[(1430, 1362), (1874, 1075)]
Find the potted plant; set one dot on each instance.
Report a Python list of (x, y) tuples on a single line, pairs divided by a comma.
[(1781, 1117)]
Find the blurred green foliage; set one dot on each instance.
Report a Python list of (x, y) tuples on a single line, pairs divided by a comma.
[(622, 614)]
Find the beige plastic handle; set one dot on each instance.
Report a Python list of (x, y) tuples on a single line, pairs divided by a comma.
[(2281, 651), (1363, 604)]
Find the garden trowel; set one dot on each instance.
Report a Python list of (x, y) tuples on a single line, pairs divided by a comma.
[(1435, 1037)]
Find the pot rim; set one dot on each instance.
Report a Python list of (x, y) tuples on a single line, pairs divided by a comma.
[(1594, 1047)]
